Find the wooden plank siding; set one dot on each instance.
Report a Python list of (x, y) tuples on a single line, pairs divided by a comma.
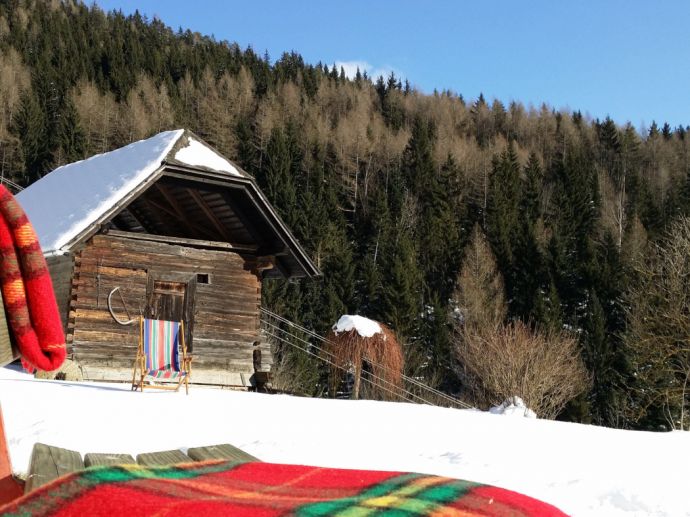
[(60, 267), (226, 309)]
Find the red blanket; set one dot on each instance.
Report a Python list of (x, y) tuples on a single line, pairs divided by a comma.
[(264, 489), (27, 290)]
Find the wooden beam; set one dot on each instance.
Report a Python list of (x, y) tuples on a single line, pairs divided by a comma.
[(164, 209), (246, 221), (233, 205), (170, 199), (209, 213), (191, 228), (263, 264), (176, 211), (10, 489), (223, 451), (192, 243), (190, 175), (94, 458), (163, 458), (131, 211), (5, 466), (49, 463)]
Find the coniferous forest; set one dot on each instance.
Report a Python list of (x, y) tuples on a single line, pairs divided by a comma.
[(393, 192)]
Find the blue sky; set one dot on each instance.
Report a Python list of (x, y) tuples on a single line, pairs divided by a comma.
[(626, 59)]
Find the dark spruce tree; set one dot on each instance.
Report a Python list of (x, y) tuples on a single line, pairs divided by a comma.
[(502, 214), (29, 125), (531, 281)]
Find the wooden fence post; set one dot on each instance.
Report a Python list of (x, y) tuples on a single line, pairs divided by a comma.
[(9, 487)]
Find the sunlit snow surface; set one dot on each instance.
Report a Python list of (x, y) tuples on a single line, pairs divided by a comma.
[(513, 406), (584, 470), (196, 153), (364, 326)]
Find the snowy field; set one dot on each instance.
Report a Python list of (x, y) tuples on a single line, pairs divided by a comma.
[(583, 470)]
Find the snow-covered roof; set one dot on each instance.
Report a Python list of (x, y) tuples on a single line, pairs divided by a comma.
[(364, 326), (196, 153), (68, 201)]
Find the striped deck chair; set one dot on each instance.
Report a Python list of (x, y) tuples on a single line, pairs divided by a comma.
[(161, 355)]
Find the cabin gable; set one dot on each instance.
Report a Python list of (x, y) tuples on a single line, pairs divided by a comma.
[(174, 231)]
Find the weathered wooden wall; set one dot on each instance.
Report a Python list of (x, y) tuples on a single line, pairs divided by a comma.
[(60, 267), (226, 310)]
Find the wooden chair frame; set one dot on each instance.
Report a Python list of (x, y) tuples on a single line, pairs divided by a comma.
[(140, 364)]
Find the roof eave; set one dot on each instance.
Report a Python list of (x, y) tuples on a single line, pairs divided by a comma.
[(95, 226), (289, 240), (308, 268)]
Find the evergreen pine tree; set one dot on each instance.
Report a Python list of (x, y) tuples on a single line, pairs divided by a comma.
[(575, 213), (401, 297), (29, 125), (530, 276), (502, 212), (278, 175), (70, 135)]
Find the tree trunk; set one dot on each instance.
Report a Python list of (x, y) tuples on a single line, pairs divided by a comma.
[(358, 378)]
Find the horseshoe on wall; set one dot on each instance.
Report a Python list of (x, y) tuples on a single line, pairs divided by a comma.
[(112, 313)]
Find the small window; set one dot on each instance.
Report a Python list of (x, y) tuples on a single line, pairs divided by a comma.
[(202, 278)]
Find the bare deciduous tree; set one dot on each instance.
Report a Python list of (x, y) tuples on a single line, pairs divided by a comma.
[(543, 368), (658, 334), (498, 361), (15, 78), (97, 116), (479, 296)]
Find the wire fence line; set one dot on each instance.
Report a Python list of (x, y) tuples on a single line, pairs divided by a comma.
[(389, 387), (285, 331), (13, 186), (396, 392)]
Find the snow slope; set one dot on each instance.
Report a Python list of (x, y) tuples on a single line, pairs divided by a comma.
[(584, 470)]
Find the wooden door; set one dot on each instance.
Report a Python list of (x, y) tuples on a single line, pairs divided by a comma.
[(167, 300), (171, 297)]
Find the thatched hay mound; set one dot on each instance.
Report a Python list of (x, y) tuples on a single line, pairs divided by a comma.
[(379, 354)]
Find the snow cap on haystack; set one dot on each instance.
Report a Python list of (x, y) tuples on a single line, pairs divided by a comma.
[(354, 341), (364, 326)]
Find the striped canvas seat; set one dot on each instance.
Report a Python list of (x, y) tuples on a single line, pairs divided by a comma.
[(162, 349), (161, 355)]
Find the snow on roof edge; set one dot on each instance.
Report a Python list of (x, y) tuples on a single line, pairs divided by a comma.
[(87, 189), (199, 154)]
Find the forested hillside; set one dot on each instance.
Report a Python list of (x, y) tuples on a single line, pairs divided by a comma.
[(383, 185)]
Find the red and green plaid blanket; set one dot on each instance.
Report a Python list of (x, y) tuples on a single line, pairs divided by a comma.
[(266, 490)]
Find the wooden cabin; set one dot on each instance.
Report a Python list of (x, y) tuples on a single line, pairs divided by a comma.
[(183, 233)]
